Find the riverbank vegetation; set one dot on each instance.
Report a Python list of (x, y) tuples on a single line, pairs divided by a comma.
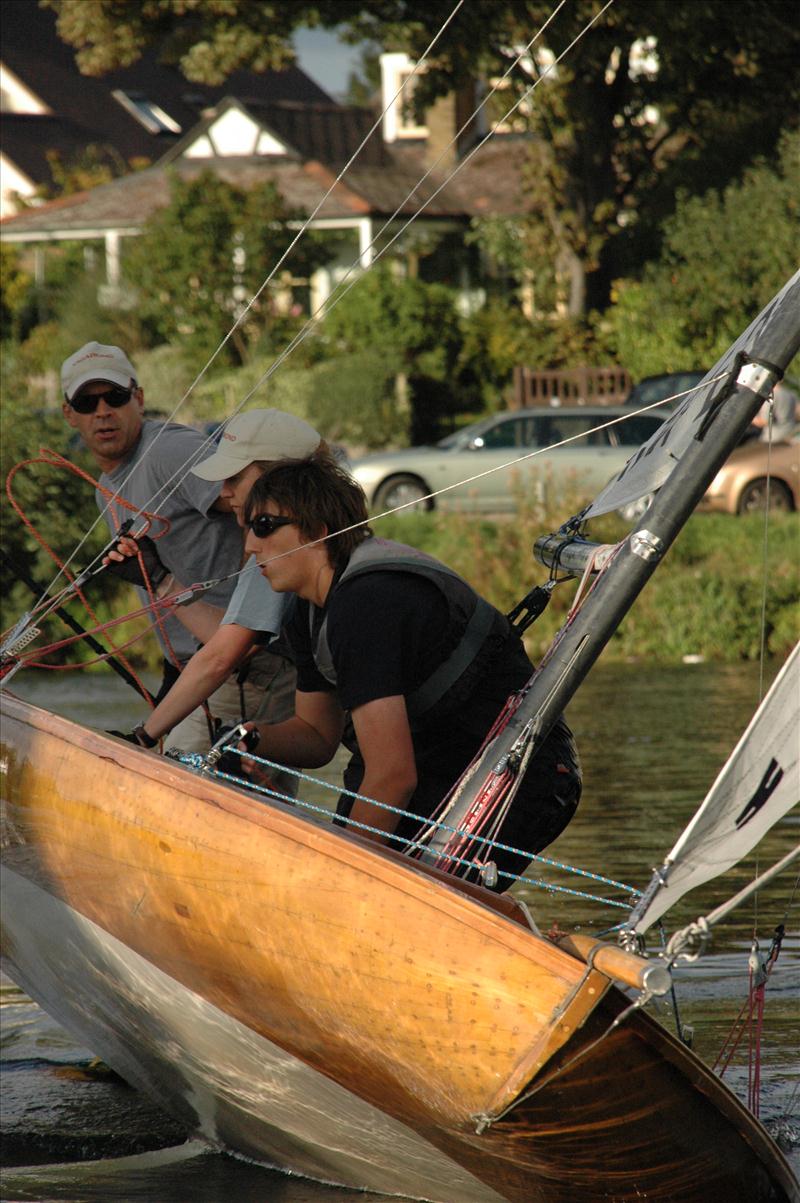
[(705, 599)]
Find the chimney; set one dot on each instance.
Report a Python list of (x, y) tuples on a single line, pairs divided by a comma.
[(444, 120), (441, 122)]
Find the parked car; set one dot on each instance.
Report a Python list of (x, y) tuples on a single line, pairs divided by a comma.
[(740, 486), (657, 388), (393, 478)]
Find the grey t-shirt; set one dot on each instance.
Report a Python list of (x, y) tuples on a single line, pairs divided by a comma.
[(201, 543), (255, 604)]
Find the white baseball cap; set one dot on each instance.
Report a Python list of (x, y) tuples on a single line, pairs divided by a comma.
[(96, 362), (260, 434)]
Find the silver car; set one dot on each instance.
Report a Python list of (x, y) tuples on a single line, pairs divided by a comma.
[(391, 478)]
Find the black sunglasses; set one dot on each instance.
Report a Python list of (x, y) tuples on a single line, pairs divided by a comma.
[(87, 403), (264, 525)]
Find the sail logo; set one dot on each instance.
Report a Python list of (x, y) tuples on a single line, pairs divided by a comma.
[(764, 791)]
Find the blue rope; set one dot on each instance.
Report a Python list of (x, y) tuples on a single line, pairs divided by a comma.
[(197, 761)]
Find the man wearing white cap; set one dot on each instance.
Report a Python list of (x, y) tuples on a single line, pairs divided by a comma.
[(146, 463), (250, 443)]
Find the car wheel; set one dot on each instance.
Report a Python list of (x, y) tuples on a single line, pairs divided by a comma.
[(400, 490), (634, 510), (753, 497)]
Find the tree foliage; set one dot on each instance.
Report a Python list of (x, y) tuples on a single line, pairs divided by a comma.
[(724, 255), (656, 95), (205, 254), (15, 286), (207, 39)]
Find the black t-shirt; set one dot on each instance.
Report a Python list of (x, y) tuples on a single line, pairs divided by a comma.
[(387, 633)]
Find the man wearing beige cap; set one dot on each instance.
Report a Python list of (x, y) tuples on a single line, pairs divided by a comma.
[(250, 443), (146, 463)]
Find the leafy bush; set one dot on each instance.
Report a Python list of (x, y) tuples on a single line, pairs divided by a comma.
[(498, 338), (204, 254), (407, 328)]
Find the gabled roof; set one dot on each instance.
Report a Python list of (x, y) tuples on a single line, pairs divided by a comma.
[(127, 203), (85, 105), (331, 133), (492, 182)]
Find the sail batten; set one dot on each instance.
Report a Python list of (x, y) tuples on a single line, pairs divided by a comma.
[(759, 783)]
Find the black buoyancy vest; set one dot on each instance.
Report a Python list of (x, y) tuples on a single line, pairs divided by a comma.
[(467, 610)]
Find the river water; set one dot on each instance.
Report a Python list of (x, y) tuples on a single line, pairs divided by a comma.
[(652, 741)]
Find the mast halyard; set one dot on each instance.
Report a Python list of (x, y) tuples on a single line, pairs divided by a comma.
[(727, 411)]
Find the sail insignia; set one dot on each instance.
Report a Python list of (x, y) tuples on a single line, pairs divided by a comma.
[(759, 784)]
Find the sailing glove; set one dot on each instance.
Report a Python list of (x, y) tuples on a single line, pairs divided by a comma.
[(130, 569)]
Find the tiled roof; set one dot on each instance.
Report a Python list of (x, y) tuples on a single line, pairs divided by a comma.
[(490, 183), (331, 133), (27, 138)]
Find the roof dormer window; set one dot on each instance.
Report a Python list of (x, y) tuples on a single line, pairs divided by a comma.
[(147, 112), (399, 120)]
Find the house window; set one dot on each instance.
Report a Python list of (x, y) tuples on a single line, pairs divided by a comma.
[(147, 112)]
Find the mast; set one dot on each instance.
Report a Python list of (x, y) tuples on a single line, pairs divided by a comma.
[(727, 412)]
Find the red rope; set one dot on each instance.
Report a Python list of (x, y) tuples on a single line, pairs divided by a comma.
[(751, 1020), (55, 460)]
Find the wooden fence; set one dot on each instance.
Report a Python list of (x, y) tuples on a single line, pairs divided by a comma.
[(570, 386)]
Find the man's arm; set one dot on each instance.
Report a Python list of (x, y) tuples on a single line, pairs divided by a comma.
[(309, 738), (200, 618), (204, 673), (390, 770)]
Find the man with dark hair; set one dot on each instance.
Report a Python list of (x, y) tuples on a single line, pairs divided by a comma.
[(394, 638)]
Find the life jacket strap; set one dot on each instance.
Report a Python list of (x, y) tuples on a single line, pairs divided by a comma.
[(445, 676)]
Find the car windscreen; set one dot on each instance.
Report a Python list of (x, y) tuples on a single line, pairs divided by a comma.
[(634, 431)]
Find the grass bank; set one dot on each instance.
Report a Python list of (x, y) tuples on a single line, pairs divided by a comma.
[(705, 599)]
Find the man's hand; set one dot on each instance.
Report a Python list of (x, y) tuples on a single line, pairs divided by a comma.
[(137, 736), (123, 561)]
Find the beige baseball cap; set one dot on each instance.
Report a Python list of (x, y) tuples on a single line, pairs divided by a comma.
[(95, 361), (259, 434)]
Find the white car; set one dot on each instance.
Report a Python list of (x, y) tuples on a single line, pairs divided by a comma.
[(392, 478)]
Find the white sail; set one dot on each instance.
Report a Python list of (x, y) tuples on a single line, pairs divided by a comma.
[(759, 783), (652, 463)]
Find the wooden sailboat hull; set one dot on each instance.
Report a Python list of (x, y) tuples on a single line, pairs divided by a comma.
[(298, 995)]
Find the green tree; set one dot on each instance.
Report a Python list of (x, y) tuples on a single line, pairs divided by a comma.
[(15, 289), (205, 253), (658, 95), (415, 330), (208, 39), (724, 255)]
